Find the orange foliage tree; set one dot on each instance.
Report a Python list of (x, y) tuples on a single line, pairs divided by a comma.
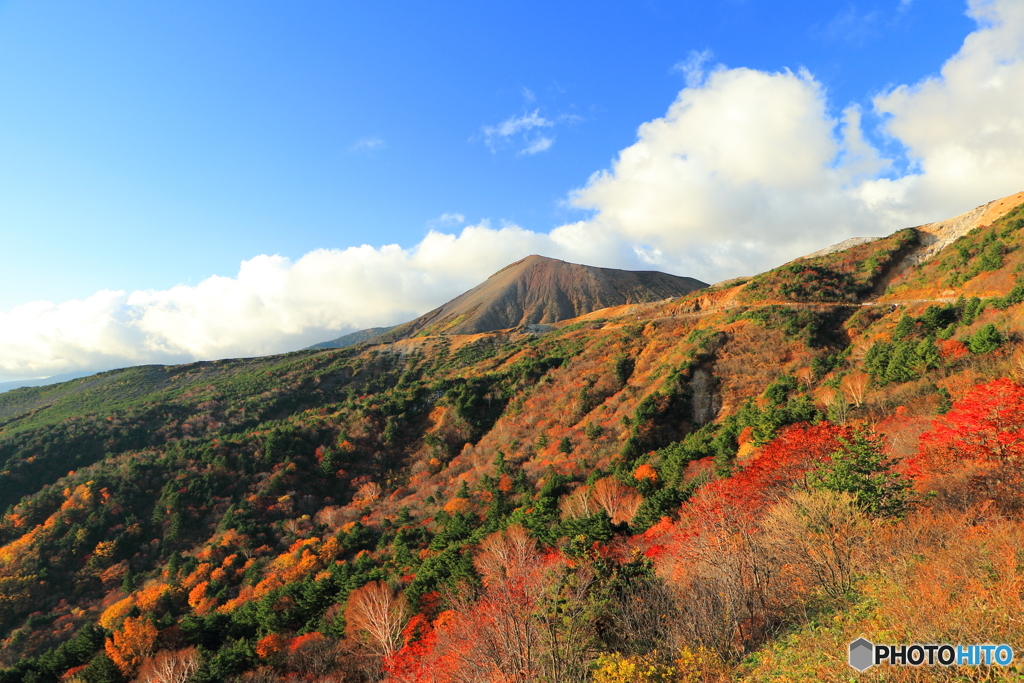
[(271, 646), (149, 597), (132, 645), (199, 601), (645, 473)]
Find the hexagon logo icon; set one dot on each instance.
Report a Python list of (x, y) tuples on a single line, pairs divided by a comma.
[(862, 654)]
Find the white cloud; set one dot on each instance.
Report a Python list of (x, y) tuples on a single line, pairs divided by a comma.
[(519, 128), (368, 144), (517, 124), (965, 127), (447, 219), (853, 27), (735, 176), (271, 305), (526, 131), (747, 169), (538, 145), (692, 67)]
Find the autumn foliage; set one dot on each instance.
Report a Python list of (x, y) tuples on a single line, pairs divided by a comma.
[(728, 486), (977, 448), (132, 644)]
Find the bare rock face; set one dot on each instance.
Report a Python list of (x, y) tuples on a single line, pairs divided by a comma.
[(539, 290), (937, 236)]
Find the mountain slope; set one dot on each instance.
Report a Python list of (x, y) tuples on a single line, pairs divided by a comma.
[(538, 290), (352, 338), (598, 470)]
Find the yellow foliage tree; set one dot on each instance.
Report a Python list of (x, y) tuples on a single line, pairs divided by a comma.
[(115, 614), (618, 668)]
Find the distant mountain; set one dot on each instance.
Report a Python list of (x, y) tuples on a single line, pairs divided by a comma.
[(42, 382), (539, 290), (352, 338)]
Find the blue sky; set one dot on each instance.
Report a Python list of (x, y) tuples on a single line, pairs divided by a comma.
[(147, 147)]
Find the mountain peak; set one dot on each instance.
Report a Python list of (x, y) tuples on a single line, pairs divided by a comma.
[(538, 289), (527, 261)]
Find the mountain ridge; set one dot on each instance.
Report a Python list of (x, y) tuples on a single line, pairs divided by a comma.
[(352, 338)]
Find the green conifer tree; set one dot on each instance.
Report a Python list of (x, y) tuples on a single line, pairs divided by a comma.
[(861, 469)]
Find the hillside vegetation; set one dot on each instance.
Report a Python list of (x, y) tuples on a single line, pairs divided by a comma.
[(730, 485)]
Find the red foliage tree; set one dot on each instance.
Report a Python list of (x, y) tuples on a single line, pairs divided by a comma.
[(980, 440), (786, 459), (716, 555), (493, 638), (738, 500), (415, 661)]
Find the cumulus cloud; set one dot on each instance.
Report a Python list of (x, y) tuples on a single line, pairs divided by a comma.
[(746, 169), (737, 175), (271, 305), (964, 128)]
